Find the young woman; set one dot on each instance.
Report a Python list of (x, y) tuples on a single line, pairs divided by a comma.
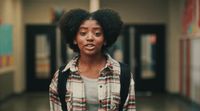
[(94, 76)]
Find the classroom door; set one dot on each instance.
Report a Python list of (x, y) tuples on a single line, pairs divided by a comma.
[(40, 56), (148, 47)]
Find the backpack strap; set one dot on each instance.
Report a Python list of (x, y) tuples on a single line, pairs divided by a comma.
[(125, 77), (61, 88)]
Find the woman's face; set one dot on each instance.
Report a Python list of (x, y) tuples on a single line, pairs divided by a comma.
[(90, 38)]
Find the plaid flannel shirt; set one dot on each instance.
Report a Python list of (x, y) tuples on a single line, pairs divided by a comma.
[(108, 89)]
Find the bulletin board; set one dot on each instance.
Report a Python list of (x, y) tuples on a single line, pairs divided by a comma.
[(6, 46)]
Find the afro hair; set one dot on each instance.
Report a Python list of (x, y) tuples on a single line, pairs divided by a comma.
[(108, 19)]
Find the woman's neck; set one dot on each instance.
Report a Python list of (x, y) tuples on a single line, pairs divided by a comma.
[(90, 66), (91, 60)]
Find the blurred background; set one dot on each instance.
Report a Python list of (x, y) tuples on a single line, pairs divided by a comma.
[(160, 41)]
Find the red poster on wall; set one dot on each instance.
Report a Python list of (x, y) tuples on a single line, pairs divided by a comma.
[(188, 14)]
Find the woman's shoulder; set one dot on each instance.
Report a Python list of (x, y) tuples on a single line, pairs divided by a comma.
[(71, 64)]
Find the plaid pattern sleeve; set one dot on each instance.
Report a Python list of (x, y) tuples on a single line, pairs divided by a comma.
[(55, 104), (130, 104)]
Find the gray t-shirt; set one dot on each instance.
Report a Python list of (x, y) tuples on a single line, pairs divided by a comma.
[(91, 91)]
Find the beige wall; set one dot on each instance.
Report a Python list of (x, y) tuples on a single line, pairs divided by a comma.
[(38, 11), (19, 47), (6, 11), (139, 11), (173, 38), (132, 11)]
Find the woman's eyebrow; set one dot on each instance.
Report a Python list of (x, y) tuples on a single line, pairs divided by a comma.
[(97, 28), (82, 27)]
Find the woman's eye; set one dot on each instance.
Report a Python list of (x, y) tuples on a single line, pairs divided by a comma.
[(82, 33), (98, 34)]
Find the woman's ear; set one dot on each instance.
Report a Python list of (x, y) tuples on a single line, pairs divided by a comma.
[(75, 43)]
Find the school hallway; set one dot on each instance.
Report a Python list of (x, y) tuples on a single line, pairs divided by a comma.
[(147, 102), (160, 42)]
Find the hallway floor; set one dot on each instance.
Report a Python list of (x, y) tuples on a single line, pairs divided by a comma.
[(158, 102)]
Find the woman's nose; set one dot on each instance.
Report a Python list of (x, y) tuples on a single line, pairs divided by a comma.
[(90, 36)]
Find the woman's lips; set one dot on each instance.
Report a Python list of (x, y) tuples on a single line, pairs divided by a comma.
[(89, 46)]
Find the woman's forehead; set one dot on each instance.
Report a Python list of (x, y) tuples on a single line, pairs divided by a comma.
[(90, 23)]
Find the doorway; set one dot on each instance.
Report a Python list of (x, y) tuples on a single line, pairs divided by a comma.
[(40, 56), (145, 52)]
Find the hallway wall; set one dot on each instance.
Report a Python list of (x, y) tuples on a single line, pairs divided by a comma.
[(39, 11), (173, 36), (140, 11), (13, 77)]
